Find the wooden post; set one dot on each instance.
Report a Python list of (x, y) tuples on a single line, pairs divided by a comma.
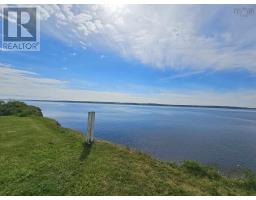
[(90, 127)]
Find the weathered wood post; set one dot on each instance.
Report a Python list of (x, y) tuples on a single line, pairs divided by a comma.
[(90, 127)]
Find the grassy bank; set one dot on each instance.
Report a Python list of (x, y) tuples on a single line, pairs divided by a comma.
[(38, 157)]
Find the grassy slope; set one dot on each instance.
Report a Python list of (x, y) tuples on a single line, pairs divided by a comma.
[(40, 158)]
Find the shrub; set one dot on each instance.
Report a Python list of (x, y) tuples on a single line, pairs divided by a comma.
[(201, 170), (20, 109), (250, 180)]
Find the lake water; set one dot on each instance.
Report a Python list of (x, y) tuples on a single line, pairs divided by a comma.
[(222, 137)]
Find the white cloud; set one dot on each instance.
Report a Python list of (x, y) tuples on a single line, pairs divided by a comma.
[(22, 79), (195, 36), (21, 84), (182, 75)]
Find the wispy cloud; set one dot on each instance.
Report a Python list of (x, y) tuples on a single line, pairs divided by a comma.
[(182, 75), (21, 79), (191, 36)]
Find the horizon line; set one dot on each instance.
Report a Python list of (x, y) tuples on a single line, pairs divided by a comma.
[(134, 103)]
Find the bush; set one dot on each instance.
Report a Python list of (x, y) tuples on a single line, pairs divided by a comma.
[(201, 170), (20, 109), (250, 180)]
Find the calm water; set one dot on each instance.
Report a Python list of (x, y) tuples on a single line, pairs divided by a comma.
[(222, 137)]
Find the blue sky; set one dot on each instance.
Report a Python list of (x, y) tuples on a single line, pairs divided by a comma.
[(190, 54)]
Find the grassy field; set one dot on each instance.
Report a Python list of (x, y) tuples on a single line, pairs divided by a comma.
[(38, 157)]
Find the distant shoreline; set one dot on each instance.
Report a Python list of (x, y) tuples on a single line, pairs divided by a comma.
[(139, 104)]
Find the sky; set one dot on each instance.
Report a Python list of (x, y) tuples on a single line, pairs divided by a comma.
[(169, 54)]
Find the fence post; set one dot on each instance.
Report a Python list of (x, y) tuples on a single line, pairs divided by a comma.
[(90, 127)]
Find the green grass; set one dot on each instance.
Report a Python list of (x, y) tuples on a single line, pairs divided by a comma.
[(38, 157)]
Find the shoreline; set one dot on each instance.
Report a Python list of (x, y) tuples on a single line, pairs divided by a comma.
[(138, 104)]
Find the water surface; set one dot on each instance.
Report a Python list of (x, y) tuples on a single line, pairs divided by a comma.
[(223, 137)]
